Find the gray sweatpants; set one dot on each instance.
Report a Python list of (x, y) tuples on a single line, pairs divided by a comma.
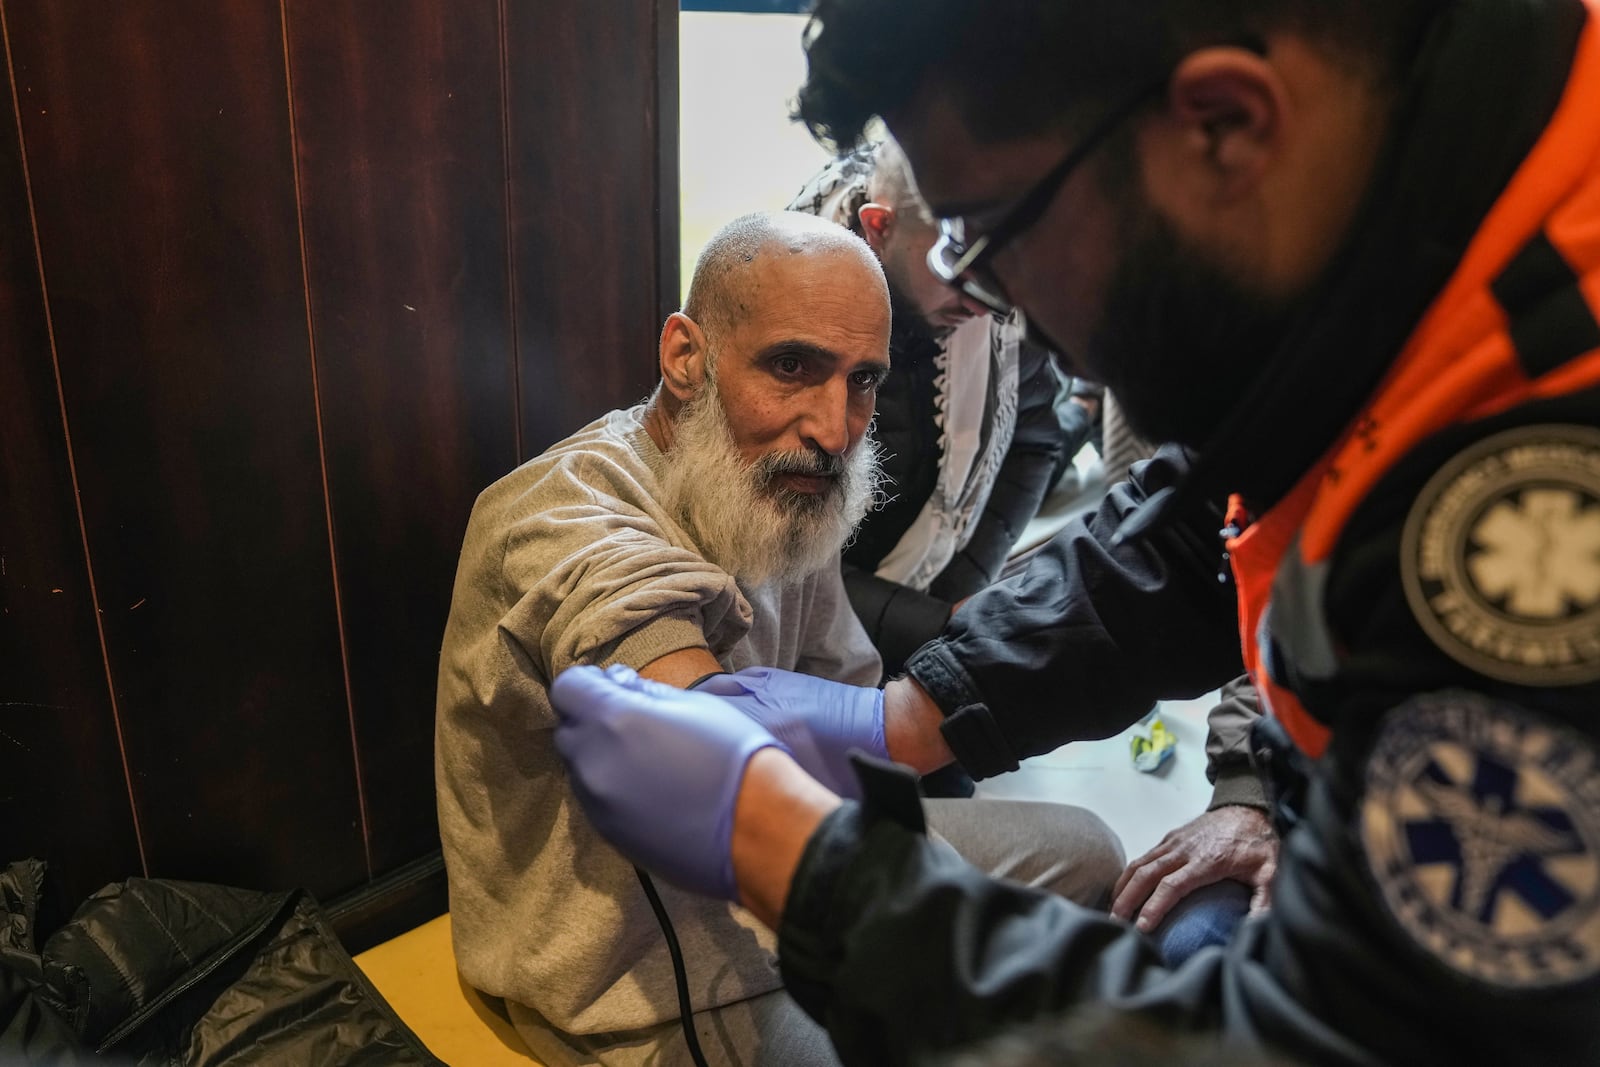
[(1066, 850)]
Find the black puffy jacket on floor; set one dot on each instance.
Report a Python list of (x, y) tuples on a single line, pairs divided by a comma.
[(162, 972)]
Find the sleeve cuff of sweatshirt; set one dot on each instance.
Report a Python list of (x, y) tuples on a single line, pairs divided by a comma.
[(656, 638), (1238, 786)]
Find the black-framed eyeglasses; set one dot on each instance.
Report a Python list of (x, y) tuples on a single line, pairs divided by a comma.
[(966, 267)]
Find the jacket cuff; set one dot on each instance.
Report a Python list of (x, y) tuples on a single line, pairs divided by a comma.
[(969, 727), (1239, 786), (809, 948)]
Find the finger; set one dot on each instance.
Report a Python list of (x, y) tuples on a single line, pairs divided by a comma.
[(1123, 879), (579, 687), (621, 673), (1154, 855), (1261, 899), (1127, 901), (1168, 892), (579, 691), (725, 685), (1131, 871), (632, 680)]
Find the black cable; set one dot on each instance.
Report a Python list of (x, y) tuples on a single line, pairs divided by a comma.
[(685, 1013)]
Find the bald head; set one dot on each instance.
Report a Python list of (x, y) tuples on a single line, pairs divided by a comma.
[(745, 263), (769, 379)]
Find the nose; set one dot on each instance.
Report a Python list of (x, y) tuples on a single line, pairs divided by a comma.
[(827, 420)]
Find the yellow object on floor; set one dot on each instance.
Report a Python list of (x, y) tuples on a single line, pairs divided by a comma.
[(416, 973), (1152, 744)]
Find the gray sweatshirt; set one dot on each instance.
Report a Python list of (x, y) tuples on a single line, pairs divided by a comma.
[(570, 559)]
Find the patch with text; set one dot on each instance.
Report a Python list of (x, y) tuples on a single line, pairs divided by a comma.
[(1481, 824), (1500, 557)]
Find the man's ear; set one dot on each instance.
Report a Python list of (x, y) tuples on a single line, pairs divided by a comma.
[(876, 222), (683, 356), (1227, 107)]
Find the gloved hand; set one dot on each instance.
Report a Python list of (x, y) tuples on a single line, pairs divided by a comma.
[(657, 770), (818, 721)]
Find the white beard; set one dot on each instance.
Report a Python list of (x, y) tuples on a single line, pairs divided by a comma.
[(752, 529)]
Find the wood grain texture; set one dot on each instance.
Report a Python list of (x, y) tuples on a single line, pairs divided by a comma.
[(158, 139), (319, 272), (62, 782), (587, 163), (397, 111)]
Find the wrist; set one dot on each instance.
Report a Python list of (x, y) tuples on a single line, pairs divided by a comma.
[(911, 723), (778, 808)]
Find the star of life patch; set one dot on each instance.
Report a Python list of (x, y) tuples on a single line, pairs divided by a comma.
[(1481, 825), (1500, 557)]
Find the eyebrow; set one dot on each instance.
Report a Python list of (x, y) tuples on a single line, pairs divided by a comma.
[(811, 350)]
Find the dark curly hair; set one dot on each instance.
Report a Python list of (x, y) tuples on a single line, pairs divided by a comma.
[(1018, 66)]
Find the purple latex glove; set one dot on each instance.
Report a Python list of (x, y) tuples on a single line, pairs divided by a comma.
[(817, 720), (657, 770)]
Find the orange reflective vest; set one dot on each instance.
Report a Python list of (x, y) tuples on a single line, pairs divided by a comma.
[(1466, 360)]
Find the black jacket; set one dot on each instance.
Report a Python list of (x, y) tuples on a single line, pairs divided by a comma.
[(164, 972), (897, 618)]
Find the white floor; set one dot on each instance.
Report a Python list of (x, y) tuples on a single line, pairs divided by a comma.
[(1100, 776)]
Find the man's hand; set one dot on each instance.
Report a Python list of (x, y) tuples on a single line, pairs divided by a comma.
[(1234, 842), (658, 770), (818, 721)]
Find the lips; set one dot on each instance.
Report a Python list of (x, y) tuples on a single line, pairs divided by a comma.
[(813, 484)]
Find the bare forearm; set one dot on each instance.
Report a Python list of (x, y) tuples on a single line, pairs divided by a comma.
[(779, 807), (682, 668), (911, 727)]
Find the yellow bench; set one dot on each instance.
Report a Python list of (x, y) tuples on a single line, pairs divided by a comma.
[(416, 973)]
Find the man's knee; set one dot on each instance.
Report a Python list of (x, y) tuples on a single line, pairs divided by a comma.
[(1095, 857), (1062, 849)]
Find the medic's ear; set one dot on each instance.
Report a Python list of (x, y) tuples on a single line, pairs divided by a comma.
[(1229, 106), (682, 356)]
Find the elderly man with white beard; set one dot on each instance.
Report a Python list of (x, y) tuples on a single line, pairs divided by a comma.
[(696, 534)]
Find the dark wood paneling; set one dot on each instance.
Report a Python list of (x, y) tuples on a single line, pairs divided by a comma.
[(397, 110), (318, 272), (158, 139), (401, 899), (669, 222), (61, 775), (586, 127)]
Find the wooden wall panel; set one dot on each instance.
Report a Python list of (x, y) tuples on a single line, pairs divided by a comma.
[(159, 147), (397, 111), (318, 273), (61, 773), (590, 176)]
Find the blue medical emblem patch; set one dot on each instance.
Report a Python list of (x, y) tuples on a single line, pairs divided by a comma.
[(1481, 824)]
